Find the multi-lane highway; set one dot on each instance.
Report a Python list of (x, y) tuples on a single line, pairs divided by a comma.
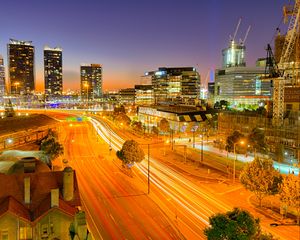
[(189, 205), (117, 205)]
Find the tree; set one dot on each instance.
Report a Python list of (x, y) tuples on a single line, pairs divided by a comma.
[(235, 137), (123, 118), (257, 140), (234, 225), (164, 125), (155, 130), (118, 110), (261, 178), (131, 152), (51, 147), (137, 126), (289, 192)]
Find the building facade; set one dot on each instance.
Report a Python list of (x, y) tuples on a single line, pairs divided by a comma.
[(21, 67), (91, 81), (292, 98), (175, 85), (242, 86), (234, 55), (2, 78), (127, 95), (53, 71), (144, 95)]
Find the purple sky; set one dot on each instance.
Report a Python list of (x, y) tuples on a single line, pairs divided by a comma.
[(130, 37)]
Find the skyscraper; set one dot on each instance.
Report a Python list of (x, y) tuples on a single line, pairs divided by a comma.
[(53, 71), (91, 81), (21, 66), (2, 77)]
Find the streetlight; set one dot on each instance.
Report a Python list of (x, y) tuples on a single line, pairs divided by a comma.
[(234, 152), (166, 142)]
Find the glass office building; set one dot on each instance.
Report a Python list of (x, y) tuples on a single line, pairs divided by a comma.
[(242, 85), (53, 71), (91, 81), (175, 85), (2, 78), (21, 66)]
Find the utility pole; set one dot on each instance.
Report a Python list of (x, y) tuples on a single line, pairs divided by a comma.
[(193, 138)]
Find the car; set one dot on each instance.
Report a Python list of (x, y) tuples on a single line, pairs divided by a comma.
[(274, 224)]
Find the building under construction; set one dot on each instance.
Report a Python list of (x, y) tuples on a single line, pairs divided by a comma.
[(286, 76), (283, 70), (238, 84)]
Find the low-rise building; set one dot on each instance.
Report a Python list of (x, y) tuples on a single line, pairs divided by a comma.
[(37, 203), (180, 118)]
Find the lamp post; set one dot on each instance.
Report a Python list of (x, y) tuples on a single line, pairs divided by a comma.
[(235, 158), (166, 142), (193, 138), (148, 168), (202, 148)]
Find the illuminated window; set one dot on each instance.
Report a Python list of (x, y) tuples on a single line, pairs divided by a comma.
[(25, 233), (4, 235)]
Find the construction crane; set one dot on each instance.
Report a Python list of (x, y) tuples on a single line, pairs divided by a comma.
[(286, 64), (236, 30), (246, 35)]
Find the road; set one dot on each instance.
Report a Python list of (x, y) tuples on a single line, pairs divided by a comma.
[(117, 205), (190, 205), (183, 201)]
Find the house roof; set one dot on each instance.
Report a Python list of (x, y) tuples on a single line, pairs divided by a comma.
[(41, 184)]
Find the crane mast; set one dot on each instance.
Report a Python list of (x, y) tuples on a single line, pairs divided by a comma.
[(286, 63)]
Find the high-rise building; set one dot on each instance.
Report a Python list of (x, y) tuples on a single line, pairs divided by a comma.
[(234, 55), (238, 84), (242, 86), (91, 81), (175, 85), (21, 66), (53, 71), (2, 77)]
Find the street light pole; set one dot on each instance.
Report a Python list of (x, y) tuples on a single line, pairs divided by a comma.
[(148, 168), (194, 139), (235, 158), (202, 148)]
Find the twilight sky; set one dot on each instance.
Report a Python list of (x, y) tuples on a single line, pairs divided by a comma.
[(130, 37)]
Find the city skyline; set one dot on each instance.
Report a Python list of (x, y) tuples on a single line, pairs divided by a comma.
[(128, 39)]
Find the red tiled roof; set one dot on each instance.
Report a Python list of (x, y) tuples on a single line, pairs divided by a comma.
[(41, 184), (11, 205)]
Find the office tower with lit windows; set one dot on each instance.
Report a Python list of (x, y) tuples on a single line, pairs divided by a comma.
[(178, 85), (91, 81), (53, 71), (238, 84), (21, 66), (2, 78)]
